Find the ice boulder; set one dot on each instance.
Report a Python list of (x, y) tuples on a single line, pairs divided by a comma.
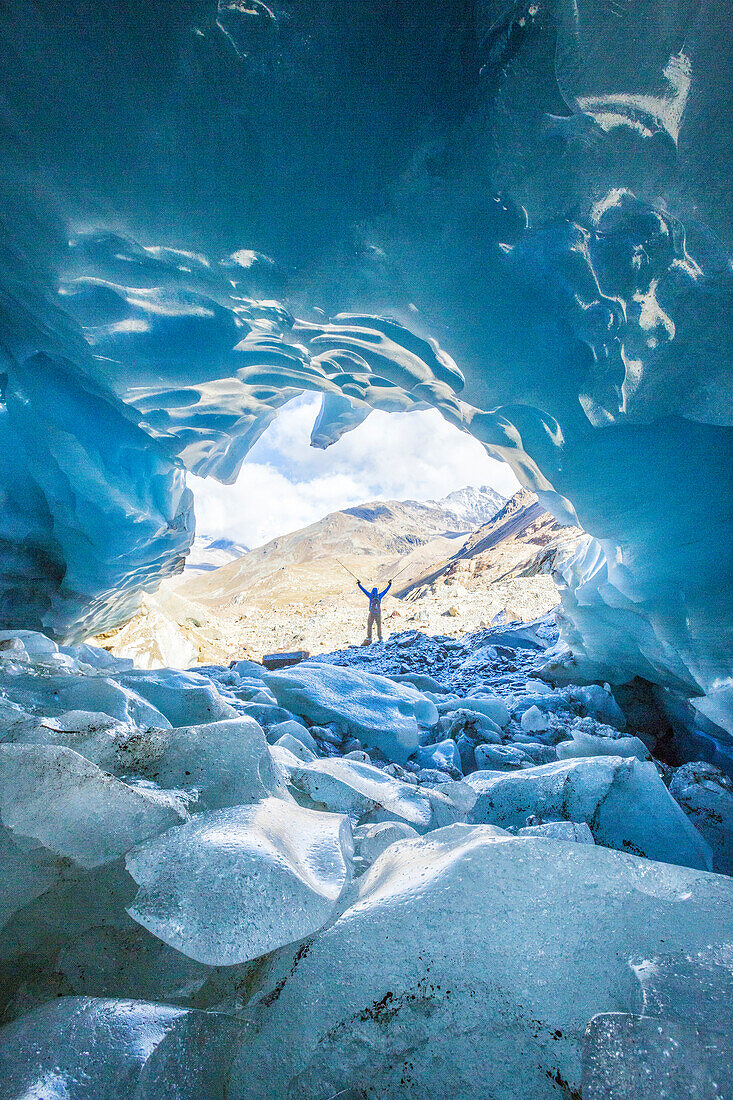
[(29, 642), (72, 808), (598, 702), (80, 1048), (501, 758), (646, 1058), (371, 840), (490, 705), (473, 949), (471, 723), (86, 654), (706, 795), (443, 754), (354, 788), (227, 763), (534, 721), (233, 884), (382, 714), (57, 692), (293, 729), (224, 763), (185, 698), (586, 743), (295, 746), (623, 801)]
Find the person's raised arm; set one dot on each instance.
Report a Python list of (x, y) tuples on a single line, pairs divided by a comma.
[(383, 594), (361, 586)]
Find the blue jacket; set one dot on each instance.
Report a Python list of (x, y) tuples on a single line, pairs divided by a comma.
[(375, 597)]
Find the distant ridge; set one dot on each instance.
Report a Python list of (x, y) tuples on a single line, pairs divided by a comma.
[(208, 554)]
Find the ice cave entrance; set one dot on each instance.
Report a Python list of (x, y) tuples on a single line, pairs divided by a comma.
[(401, 497)]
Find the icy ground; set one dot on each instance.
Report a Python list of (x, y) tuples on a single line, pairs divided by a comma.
[(411, 870)]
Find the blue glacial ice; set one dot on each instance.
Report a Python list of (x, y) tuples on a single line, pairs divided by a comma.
[(520, 219)]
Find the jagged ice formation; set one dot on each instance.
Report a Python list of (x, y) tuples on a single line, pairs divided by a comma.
[(513, 212)]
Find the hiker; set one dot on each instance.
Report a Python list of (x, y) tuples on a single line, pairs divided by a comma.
[(375, 598)]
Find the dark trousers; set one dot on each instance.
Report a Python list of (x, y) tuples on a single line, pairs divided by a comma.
[(374, 619)]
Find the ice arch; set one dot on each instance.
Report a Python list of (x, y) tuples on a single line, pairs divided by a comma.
[(514, 212)]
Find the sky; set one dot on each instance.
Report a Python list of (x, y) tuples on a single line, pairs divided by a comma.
[(286, 484)]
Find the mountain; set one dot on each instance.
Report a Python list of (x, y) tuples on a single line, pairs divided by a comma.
[(521, 540), (474, 505), (368, 539), (209, 553)]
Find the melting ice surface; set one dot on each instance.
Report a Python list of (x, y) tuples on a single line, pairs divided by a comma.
[(516, 213)]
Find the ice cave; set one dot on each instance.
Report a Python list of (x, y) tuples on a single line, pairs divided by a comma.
[(367, 876)]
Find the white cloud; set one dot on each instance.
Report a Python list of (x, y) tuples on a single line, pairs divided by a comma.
[(286, 484)]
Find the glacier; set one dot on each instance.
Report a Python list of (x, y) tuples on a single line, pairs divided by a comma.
[(476, 867), (519, 218)]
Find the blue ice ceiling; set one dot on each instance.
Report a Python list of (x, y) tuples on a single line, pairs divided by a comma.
[(516, 213)]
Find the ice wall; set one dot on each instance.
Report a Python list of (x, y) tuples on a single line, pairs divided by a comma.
[(513, 212)]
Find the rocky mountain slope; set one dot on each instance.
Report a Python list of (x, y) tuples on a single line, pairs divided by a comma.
[(520, 540)]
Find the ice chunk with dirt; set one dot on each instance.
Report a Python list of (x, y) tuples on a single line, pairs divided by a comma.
[(72, 808), (382, 714), (474, 950), (501, 758), (53, 692), (226, 763), (488, 704), (472, 724), (705, 793), (80, 1048), (233, 884), (623, 801)]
